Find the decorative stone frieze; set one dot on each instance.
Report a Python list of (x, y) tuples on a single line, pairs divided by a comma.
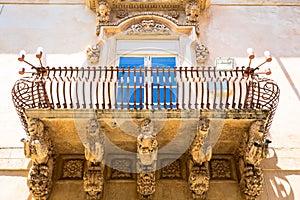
[(93, 54), (73, 169), (94, 144), (199, 180), (202, 53), (147, 149), (148, 27), (253, 149), (38, 147), (220, 169), (93, 180)]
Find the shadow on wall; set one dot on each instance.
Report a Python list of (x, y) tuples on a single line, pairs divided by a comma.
[(276, 183)]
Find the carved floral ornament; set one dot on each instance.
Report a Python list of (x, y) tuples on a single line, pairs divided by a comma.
[(148, 27)]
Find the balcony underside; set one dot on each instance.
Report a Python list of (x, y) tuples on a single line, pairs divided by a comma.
[(67, 127)]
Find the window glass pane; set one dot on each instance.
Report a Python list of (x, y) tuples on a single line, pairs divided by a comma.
[(163, 62), (131, 62)]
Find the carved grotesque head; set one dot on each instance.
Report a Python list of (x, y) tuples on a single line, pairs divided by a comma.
[(39, 181), (93, 127), (35, 127), (93, 184), (192, 12), (103, 12), (199, 180)]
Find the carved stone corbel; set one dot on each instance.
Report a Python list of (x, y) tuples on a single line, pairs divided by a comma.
[(253, 149), (147, 149), (198, 165), (93, 179), (39, 148)]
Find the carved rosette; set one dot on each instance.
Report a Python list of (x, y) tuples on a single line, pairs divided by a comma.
[(253, 149), (146, 185), (199, 181), (93, 180), (148, 27), (147, 149), (202, 53), (39, 148), (93, 54)]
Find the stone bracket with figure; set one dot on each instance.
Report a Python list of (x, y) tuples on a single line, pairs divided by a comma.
[(93, 179), (198, 165), (147, 150), (253, 149), (39, 148)]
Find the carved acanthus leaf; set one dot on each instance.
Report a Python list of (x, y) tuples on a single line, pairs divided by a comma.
[(93, 54), (202, 53)]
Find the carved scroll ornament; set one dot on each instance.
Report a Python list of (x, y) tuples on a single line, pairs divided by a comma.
[(199, 181), (93, 54), (146, 185)]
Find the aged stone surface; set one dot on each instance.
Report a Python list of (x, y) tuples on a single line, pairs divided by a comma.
[(103, 15), (121, 169), (220, 169), (148, 27), (94, 144), (38, 147), (171, 170), (72, 168), (93, 54), (253, 149), (199, 180), (93, 180)]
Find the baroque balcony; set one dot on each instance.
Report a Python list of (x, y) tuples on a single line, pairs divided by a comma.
[(203, 116)]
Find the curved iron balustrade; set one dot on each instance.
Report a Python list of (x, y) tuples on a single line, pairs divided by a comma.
[(106, 88)]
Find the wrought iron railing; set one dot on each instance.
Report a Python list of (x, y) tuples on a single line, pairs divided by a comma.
[(144, 88)]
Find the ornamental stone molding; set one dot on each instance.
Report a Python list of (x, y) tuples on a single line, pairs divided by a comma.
[(94, 144), (253, 149), (148, 27), (73, 169), (38, 147)]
